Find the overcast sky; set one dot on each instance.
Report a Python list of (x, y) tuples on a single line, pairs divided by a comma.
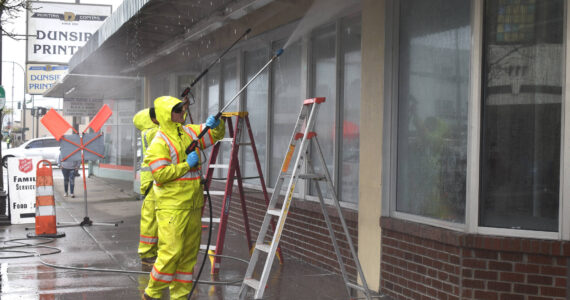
[(15, 50)]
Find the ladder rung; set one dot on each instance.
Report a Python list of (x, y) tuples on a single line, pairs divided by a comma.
[(275, 212), (218, 166), (254, 283), (312, 176), (216, 193), (232, 139), (212, 247), (355, 286), (263, 247), (214, 220)]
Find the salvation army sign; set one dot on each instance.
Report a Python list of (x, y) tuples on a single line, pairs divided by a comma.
[(22, 189), (57, 30)]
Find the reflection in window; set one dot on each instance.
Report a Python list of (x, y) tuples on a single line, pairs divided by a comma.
[(432, 108), (520, 152)]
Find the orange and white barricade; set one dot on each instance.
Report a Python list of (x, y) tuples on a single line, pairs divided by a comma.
[(46, 225)]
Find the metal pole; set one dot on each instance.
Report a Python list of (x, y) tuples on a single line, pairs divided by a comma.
[(2, 193), (24, 97), (12, 115)]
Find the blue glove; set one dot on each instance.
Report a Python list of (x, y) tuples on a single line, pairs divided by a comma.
[(212, 122), (192, 159)]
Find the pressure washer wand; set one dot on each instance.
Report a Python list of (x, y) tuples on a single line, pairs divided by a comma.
[(194, 143), (187, 90)]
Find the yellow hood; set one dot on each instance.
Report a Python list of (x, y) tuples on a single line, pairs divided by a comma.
[(142, 120), (163, 109)]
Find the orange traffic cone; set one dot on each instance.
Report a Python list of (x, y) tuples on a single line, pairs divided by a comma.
[(46, 225)]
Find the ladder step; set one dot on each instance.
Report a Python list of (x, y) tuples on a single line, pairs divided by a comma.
[(253, 283), (218, 166), (355, 286), (263, 247), (232, 139), (207, 220), (312, 176), (212, 247), (216, 193), (275, 212)]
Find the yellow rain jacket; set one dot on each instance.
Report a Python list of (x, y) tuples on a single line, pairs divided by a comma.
[(148, 130), (148, 238), (177, 186), (179, 199)]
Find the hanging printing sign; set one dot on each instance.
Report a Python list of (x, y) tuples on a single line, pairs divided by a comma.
[(57, 30), (40, 78)]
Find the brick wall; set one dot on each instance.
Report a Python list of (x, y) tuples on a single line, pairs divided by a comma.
[(426, 262), (305, 235)]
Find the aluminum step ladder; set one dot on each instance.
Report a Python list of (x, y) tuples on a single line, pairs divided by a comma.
[(233, 173), (304, 133)]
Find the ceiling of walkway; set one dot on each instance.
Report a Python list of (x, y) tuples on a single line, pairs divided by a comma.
[(171, 33)]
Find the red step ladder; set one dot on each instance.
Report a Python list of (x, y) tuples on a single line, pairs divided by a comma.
[(233, 173)]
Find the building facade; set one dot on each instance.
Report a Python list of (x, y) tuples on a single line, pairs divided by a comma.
[(443, 126)]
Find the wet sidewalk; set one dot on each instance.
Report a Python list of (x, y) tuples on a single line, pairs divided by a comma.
[(112, 250)]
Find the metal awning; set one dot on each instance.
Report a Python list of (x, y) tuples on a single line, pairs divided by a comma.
[(141, 33), (144, 37), (85, 86)]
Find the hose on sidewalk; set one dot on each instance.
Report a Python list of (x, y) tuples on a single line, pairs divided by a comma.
[(54, 250)]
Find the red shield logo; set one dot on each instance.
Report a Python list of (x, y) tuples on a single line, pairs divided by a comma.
[(25, 165)]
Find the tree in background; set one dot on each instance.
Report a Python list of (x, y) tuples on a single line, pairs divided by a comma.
[(10, 10)]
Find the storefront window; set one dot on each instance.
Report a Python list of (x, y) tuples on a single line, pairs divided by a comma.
[(213, 90), (324, 77), (286, 76), (433, 66), (256, 102), (350, 138), (119, 134), (521, 125), (230, 88)]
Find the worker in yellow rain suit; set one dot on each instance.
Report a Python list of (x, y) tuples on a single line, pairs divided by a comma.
[(145, 121), (179, 196)]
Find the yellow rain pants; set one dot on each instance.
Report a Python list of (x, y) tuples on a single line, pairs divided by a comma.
[(179, 232)]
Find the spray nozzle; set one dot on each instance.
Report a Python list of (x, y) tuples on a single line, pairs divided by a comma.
[(279, 52)]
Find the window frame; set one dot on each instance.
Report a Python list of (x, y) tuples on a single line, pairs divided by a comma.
[(473, 134)]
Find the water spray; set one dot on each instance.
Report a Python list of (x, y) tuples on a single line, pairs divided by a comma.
[(187, 90)]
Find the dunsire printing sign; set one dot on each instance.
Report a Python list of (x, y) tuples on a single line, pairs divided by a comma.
[(57, 30)]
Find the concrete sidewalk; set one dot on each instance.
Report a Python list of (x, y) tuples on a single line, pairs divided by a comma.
[(114, 248)]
